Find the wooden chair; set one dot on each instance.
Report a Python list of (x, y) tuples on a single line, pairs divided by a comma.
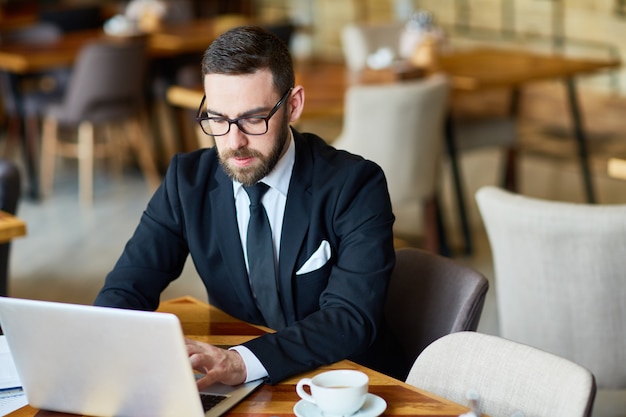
[(106, 90)]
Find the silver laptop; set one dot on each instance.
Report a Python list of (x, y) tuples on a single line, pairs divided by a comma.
[(107, 362)]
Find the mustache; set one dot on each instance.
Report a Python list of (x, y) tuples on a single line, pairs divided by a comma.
[(241, 153)]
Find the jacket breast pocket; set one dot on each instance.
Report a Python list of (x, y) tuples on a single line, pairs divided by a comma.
[(309, 288), (317, 260)]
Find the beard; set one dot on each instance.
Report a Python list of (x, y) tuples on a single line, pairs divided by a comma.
[(251, 175)]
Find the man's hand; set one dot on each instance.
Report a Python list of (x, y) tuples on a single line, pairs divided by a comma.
[(218, 365)]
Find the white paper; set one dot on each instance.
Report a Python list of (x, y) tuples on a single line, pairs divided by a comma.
[(11, 394), (8, 373), (11, 400)]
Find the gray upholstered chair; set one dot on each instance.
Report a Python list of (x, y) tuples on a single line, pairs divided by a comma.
[(10, 191), (400, 127), (561, 280), (106, 90), (431, 296), (507, 377)]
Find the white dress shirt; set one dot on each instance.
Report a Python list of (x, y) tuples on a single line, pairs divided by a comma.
[(274, 201)]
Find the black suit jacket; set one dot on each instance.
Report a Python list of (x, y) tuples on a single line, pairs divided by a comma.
[(332, 312)]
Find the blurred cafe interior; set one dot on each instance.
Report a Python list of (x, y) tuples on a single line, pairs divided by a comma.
[(536, 105)]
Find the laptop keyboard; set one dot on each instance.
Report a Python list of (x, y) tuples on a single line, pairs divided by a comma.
[(211, 400)]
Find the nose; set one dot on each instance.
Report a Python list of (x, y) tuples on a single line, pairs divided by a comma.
[(236, 138)]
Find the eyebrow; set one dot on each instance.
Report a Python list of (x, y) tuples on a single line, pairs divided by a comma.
[(253, 112)]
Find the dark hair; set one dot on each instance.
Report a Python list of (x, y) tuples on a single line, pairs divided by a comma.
[(247, 49)]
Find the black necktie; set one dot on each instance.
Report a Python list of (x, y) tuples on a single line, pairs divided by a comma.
[(260, 249)]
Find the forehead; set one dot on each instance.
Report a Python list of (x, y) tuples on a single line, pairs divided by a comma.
[(232, 94)]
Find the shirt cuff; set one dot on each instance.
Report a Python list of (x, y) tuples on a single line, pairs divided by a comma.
[(254, 368)]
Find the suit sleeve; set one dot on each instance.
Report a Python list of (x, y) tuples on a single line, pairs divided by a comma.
[(153, 257)]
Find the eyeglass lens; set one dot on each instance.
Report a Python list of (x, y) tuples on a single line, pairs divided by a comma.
[(250, 125)]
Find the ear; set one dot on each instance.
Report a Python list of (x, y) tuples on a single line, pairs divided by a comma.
[(296, 103)]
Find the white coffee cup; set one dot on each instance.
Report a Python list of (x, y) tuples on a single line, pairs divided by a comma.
[(340, 392)]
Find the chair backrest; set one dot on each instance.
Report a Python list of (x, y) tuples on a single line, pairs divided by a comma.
[(36, 34), (39, 33), (10, 191), (400, 127), (359, 40), (73, 17), (430, 296), (284, 31), (508, 377), (561, 278), (107, 83)]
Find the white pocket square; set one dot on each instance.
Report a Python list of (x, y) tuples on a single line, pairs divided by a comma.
[(317, 260)]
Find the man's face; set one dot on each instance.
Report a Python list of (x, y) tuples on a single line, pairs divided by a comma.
[(247, 158)]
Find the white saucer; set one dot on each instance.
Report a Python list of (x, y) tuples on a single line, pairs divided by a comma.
[(373, 407)]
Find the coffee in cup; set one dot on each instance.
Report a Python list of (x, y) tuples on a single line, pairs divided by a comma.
[(339, 392)]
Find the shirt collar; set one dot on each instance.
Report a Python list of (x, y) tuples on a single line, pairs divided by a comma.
[(280, 176)]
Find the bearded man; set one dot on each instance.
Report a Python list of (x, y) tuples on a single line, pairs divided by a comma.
[(323, 282)]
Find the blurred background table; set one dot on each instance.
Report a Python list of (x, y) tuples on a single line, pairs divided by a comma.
[(479, 69), (11, 227)]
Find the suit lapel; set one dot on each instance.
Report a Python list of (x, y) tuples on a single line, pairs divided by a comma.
[(295, 223)]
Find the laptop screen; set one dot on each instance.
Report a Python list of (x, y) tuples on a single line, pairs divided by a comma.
[(101, 361)]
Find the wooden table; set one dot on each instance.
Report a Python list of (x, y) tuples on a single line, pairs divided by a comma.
[(168, 41), (11, 227), (199, 320), (470, 70), (488, 68)]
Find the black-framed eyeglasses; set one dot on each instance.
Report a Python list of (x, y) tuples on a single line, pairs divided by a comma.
[(250, 125)]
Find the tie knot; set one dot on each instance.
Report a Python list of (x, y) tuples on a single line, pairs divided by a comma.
[(255, 192)]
